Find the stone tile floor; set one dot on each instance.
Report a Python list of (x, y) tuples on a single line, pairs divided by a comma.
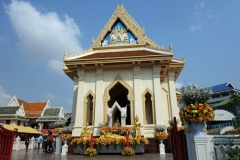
[(36, 154)]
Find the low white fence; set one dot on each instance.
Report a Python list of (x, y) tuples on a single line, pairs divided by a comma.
[(19, 145), (209, 147)]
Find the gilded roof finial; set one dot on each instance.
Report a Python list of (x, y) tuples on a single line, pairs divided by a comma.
[(65, 55), (170, 47), (183, 57), (93, 40)]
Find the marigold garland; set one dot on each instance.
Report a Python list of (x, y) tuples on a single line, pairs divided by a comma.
[(160, 135), (128, 151), (105, 141), (118, 130), (196, 112), (91, 152)]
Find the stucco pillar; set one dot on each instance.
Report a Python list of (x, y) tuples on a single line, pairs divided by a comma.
[(99, 102), (77, 128), (157, 90), (173, 97), (74, 102), (137, 94)]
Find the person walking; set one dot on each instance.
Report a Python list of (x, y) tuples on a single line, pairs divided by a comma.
[(50, 141), (45, 144), (27, 142), (40, 138)]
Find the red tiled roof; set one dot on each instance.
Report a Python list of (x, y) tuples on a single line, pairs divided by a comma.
[(120, 54), (32, 109)]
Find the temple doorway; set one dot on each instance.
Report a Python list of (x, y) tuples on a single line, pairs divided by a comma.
[(119, 93)]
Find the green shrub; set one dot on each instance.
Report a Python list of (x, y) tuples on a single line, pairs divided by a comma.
[(233, 153)]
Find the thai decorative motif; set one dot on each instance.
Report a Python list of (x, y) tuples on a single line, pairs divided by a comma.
[(119, 36)]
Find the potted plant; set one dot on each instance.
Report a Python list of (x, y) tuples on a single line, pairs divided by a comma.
[(195, 109), (160, 133), (66, 134), (91, 152), (128, 151)]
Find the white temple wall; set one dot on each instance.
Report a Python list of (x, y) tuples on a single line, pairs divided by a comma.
[(109, 75), (173, 97), (146, 81), (166, 100), (90, 81)]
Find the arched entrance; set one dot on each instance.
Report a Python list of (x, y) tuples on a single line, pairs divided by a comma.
[(120, 91), (119, 94)]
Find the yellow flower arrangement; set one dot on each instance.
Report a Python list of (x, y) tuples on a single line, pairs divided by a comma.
[(81, 141), (57, 130), (140, 140), (66, 136), (118, 130), (160, 135), (128, 151), (196, 112), (91, 152)]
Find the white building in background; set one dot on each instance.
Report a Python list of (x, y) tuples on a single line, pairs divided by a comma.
[(126, 67)]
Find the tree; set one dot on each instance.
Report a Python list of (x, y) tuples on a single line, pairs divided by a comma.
[(234, 106)]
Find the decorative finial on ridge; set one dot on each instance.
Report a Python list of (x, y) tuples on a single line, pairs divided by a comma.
[(162, 46), (93, 40), (183, 57), (170, 47), (65, 54)]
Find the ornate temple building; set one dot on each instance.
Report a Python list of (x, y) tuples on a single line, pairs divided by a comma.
[(123, 75)]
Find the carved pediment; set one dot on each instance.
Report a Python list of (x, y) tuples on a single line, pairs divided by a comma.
[(122, 29)]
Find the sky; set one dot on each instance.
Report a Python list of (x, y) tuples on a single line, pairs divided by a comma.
[(34, 35)]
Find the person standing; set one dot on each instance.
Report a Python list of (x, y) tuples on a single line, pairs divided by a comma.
[(40, 138), (27, 142)]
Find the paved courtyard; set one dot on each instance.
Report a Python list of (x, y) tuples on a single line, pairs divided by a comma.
[(39, 155)]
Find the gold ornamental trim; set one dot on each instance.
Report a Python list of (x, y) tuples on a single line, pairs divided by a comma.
[(85, 105), (106, 97), (147, 90)]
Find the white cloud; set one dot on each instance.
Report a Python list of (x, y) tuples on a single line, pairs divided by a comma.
[(4, 97), (194, 28), (69, 102), (50, 96), (3, 39), (201, 4), (178, 85), (43, 36), (56, 66)]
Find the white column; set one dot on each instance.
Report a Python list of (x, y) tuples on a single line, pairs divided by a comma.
[(173, 97), (98, 102), (137, 94), (77, 128), (58, 144), (31, 144), (157, 90), (202, 147), (74, 102)]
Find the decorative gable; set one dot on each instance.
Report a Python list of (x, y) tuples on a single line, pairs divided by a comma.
[(119, 35), (122, 29), (13, 102)]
